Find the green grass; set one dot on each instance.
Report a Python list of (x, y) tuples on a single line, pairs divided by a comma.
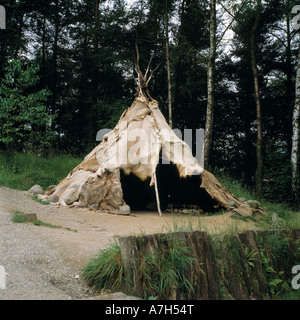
[(19, 217), (235, 186), (161, 271), (291, 218), (38, 222), (289, 295), (36, 198), (20, 173), (106, 270)]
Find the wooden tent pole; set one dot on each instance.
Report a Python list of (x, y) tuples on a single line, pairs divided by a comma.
[(156, 193)]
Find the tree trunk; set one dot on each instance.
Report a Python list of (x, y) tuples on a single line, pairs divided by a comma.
[(289, 82), (210, 85), (43, 68), (54, 81), (54, 59), (168, 68), (259, 160), (20, 27), (96, 26), (295, 142), (95, 78)]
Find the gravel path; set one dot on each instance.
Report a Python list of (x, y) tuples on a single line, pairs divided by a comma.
[(34, 268), (40, 263), (45, 263)]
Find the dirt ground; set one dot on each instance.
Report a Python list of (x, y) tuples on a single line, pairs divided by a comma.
[(45, 263)]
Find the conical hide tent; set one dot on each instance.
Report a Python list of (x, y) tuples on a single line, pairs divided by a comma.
[(134, 147)]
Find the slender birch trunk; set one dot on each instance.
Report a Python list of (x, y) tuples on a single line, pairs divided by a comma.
[(168, 68), (54, 79), (54, 59), (95, 80), (210, 85), (295, 142), (259, 159)]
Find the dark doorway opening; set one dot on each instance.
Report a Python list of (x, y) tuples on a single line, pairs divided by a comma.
[(137, 193), (174, 191)]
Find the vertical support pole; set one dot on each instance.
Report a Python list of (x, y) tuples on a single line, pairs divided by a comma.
[(156, 193)]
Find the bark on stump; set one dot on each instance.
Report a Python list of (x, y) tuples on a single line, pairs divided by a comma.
[(131, 260), (254, 268)]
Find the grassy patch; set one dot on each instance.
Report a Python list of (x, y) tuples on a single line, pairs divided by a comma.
[(22, 171), (290, 217), (235, 186), (106, 271), (278, 253), (38, 222), (36, 198), (165, 270), (18, 217)]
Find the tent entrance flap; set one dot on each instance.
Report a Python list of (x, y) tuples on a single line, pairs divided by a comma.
[(174, 192)]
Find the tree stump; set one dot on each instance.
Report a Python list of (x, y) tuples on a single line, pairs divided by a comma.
[(253, 265), (30, 217), (202, 273), (131, 261)]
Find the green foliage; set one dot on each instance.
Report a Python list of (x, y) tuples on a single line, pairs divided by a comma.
[(236, 186), (18, 217), (280, 212), (21, 171), (165, 270), (227, 249), (24, 122), (277, 174), (277, 254), (274, 249), (161, 272), (250, 256), (91, 81), (110, 112), (36, 198), (106, 271), (40, 223)]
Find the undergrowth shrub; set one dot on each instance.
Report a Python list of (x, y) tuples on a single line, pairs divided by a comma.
[(163, 272), (106, 270), (21, 171)]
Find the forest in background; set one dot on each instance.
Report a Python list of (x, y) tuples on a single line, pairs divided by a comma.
[(67, 70)]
